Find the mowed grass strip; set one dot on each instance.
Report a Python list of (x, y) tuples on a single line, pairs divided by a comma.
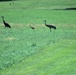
[(58, 59)]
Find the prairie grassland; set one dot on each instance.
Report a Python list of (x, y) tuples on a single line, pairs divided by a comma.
[(24, 51)]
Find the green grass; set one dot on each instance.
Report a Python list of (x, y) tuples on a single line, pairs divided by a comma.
[(24, 51)]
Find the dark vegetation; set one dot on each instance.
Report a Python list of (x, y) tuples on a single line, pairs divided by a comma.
[(70, 9), (66, 9)]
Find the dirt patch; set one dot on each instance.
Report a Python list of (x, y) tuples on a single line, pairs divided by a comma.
[(10, 38)]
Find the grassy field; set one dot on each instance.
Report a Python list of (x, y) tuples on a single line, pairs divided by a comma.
[(24, 51)]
